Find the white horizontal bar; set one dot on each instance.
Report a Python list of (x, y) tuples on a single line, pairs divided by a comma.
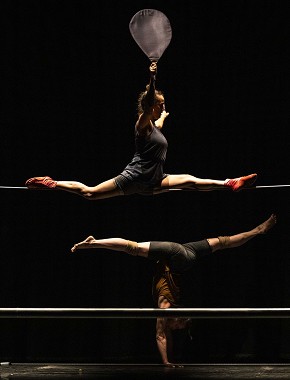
[(14, 187), (221, 188), (219, 313), (228, 188)]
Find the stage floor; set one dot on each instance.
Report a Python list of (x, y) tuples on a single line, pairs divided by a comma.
[(142, 371)]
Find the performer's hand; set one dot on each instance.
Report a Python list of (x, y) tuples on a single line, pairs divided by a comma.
[(153, 68), (164, 114), (173, 365), (159, 122)]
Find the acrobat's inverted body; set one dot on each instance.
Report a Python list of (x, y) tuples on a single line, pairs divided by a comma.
[(172, 260)]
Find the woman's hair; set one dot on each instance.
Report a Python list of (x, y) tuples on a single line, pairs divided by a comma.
[(141, 99)]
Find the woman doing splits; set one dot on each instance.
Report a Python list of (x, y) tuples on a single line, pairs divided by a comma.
[(144, 174), (172, 260)]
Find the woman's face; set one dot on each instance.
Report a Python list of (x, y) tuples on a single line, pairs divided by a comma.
[(159, 107)]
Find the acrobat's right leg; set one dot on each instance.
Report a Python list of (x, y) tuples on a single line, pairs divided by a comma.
[(233, 241)]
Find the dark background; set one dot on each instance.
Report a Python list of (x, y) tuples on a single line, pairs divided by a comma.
[(70, 77)]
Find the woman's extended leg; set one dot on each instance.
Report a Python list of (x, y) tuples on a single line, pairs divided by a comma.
[(223, 242), (107, 189), (187, 181), (114, 244)]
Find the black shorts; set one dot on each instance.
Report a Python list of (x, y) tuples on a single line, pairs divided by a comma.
[(129, 186), (179, 257)]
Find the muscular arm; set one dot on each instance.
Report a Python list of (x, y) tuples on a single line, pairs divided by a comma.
[(164, 336), (163, 339)]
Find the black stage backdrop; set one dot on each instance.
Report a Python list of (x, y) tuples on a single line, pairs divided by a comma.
[(70, 77)]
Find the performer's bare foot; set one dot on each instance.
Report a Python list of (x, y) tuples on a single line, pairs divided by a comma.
[(267, 225), (83, 244)]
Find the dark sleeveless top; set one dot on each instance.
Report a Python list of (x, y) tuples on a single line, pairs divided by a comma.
[(147, 163)]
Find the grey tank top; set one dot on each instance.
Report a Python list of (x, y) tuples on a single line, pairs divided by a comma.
[(147, 163)]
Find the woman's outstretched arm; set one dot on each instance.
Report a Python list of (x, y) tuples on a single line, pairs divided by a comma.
[(148, 101)]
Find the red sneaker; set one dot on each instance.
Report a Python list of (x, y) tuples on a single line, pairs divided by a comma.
[(240, 183), (40, 183)]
